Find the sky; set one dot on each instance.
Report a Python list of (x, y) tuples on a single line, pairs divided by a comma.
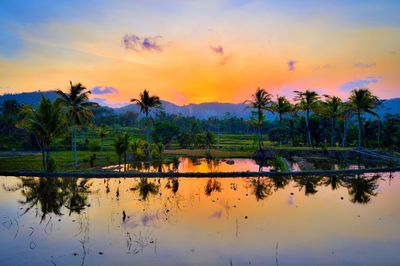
[(200, 51)]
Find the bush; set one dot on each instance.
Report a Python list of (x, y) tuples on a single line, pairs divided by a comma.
[(94, 145), (51, 165)]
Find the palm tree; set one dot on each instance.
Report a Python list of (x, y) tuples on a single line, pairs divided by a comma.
[(308, 101), (103, 132), (281, 107), (362, 101), (332, 109), (45, 123), (146, 103), (121, 145), (260, 101), (77, 108)]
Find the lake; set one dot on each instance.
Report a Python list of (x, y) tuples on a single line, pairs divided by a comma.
[(201, 221)]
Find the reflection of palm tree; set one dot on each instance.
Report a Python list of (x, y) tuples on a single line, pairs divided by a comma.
[(145, 188), (211, 186), (334, 181), (361, 188), (175, 184), (261, 188), (54, 193), (280, 182), (309, 183)]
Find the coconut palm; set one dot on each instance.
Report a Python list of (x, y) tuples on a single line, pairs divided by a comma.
[(45, 123), (103, 132), (307, 101), (121, 145), (362, 101), (78, 109), (146, 103), (332, 109), (260, 101), (282, 106)]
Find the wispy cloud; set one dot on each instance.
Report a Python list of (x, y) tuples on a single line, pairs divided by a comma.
[(224, 60), (291, 65), (359, 83), (138, 44), (220, 51), (364, 65), (217, 49), (100, 90)]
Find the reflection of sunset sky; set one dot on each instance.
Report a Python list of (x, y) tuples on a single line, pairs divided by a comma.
[(191, 227), (197, 51)]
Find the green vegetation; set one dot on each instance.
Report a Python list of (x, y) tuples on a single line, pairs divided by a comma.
[(108, 139)]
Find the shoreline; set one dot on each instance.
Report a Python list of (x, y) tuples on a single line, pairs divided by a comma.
[(111, 174)]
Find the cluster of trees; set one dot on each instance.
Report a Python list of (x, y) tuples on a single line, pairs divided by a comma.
[(309, 106), (311, 120)]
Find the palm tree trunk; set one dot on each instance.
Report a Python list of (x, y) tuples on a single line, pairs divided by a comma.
[(148, 138), (359, 129), (74, 148), (260, 142), (125, 162), (308, 129), (333, 132), (43, 157)]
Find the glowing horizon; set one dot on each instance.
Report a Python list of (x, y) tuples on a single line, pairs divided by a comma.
[(200, 51)]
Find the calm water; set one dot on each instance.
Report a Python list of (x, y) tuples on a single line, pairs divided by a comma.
[(187, 164), (200, 221)]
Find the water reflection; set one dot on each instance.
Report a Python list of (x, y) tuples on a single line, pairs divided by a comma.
[(362, 188), (52, 194), (160, 221)]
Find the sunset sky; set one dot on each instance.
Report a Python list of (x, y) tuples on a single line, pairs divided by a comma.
[(200, 51)]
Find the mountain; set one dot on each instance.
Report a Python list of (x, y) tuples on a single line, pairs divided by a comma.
[(202, 110), (32, 98)]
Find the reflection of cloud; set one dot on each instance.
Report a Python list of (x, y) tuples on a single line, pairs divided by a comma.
[(359, 83), (103, 90), (138, 44), (290, 200), (364, 65), (148, 218), (216, 215), (217, 49), (291, 65)]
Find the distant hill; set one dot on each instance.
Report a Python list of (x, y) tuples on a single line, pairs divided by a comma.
[(202, 110), (32, 98)]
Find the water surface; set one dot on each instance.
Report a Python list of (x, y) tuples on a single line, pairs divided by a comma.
[(201, 221)]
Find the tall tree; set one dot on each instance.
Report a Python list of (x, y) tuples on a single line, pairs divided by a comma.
[(332, 109), (146, 103), (103, 132), (307, 101), (121, 145), (260, 101), (281, 106), (78, 109), (362, 101), (45, 123)]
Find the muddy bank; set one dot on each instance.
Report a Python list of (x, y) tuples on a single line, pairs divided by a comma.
[(351, 154), (110, 174)]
